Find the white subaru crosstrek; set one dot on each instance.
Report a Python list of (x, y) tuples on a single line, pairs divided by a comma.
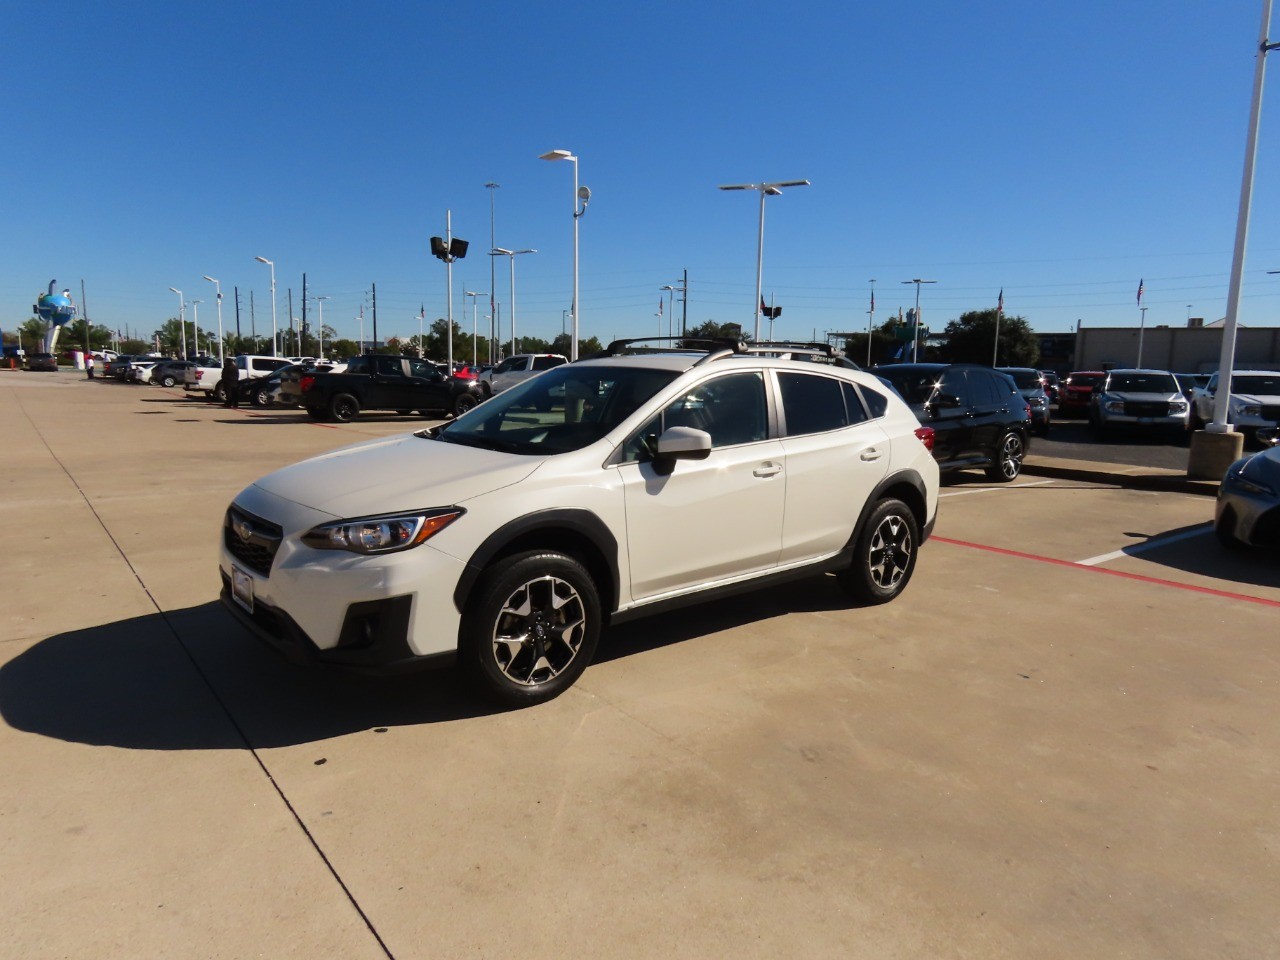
[(600, 491)]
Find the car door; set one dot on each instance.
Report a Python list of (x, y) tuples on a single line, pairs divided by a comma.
[(508, 373), (712, 519), (951, 417), (427, 387), (990, 400), (835, 456), (386, 389)]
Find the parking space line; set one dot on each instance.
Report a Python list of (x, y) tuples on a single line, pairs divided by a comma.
[(1151, 544), (1224, 594), (1014, 486)]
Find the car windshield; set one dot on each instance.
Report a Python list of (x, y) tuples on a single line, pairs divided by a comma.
[(1025, 379), (1251, 383), (913, 384), (559, 411), (1142, 383), (1084, 379)]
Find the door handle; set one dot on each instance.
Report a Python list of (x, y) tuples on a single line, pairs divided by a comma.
[(767, 469), (870, 454)]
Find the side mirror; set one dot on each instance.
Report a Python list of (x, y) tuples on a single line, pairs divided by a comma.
[(681, 443)]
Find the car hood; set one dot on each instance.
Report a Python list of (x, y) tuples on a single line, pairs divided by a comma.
[(1145, 397), (1261, 399), (1263, 467), (396, 473)]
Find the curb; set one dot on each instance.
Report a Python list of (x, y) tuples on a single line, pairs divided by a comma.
[(1119, 475)]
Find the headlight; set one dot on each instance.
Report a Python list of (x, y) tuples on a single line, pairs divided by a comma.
[(1114, 406), (1250, 410), (1177, 406), (386, 534), (1237, 478)]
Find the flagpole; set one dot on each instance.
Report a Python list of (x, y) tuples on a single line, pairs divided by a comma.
[(995, 349), (871, 318), (1142, 322)]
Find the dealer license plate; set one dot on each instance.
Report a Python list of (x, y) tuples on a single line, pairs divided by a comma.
[(242, 588)]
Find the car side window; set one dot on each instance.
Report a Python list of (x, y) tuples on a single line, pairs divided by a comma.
[(855, 410), (986, 389), (358, 365), (811, 404), (389, 366), (506, 366), (952, 384), (423, 369), (732, 409)]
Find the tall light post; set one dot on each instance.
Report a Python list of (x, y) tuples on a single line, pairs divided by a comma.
[(582, 194), (871, 318), (493, 336), (1142, 325), (275, 349), (511, 255), (217, 287), (195, 323), (772, 190), (320, 306), (915, 334), (671, 309), (448, 249), (475, 329), (182, 320)]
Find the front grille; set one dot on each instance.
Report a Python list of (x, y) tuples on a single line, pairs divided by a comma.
[(1146, 408), (1271, 412), (251, 540)]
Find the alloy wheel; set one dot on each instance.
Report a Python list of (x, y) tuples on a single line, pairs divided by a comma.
[(889, 554), (538, 631)]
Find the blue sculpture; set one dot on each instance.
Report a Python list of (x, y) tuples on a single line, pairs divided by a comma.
[(56, 310)]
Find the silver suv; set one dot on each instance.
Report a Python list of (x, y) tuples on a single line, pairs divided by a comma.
[(1142, 401), (516, 369)]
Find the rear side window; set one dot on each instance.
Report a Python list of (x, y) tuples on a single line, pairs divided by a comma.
[(877, 402), (952, 384), (546, 363), (811, 404), (986, 389)]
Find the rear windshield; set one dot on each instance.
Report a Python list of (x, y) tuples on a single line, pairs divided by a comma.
[(1251, 383), (1084, 379), (1025, 379), (913, 385), (1142, 383)]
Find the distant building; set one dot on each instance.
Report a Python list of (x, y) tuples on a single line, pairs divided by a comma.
[(1195, 348)]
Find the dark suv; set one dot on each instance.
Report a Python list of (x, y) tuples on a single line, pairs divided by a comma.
[(978, 417)]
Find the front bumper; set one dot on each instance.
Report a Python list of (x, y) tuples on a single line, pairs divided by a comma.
[(1253, 518)]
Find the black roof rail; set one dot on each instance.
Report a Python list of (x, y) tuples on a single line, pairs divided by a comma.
[(812, 348), (678, 344)]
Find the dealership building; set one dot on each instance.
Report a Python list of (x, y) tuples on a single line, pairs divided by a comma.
[(1195, 348)]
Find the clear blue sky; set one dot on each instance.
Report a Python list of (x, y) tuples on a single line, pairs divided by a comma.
[(1058, 151)]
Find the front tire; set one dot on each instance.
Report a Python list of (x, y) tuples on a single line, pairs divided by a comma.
[(884, 555), (530, 627), (464, 402), (219, 395), (167, 381), (1008, 460), (344, 408), (261, 398)]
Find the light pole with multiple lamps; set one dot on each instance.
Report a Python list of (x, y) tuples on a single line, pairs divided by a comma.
[(217, 287), (915, 334), (182, 320), (448, 249), (671, 296), (582, 194), (765, 189), (511, 255), (275, 349)]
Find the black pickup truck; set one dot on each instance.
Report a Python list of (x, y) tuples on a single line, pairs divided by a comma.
[(382, 382)]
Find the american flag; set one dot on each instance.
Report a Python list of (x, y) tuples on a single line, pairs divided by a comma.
[(659, 306), (1000, 302), (1139, 293), (873, 300)]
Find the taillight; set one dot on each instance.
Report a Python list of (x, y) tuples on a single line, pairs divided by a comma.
[(925, 436), (306, 383), (199, 374), (1026, 411)]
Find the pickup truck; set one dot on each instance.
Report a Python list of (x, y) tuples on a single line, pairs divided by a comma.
[(386, 382), (207, 378), (516, 369)]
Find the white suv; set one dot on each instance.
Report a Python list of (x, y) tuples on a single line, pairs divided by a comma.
[(516, 369), (597, 492), (1254, 402)]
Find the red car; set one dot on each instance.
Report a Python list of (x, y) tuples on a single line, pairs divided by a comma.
[(1075, 392)]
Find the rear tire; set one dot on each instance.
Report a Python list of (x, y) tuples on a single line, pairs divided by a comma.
[(530, 627), (261, 398), (1008, 460), (219, 395), (403, 412), (884, 556), (344, 408), (167, 381)]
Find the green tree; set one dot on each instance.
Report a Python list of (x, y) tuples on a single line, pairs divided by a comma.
[(970, 339), (341, 349), (886, 340), (563, 345)]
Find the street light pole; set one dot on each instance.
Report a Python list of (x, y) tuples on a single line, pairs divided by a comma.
[(511, 254), (583, 194), (493, 339), (195, 323), (275, 349), (320, 305), (773, 190), (475, 329), (915, 334), (1142, 325), (222, 354), (182, 320), (871, 318), (671, 299)]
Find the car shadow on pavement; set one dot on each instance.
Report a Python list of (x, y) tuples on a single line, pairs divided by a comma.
[(194, 680), (1203, 556), (810, 595)]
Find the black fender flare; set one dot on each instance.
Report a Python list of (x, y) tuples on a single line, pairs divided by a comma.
[(919, 503), (561, 528)]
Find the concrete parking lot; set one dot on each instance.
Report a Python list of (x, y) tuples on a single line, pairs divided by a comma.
[(1062, 741)]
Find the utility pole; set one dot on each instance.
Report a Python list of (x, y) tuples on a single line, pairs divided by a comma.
[(375, 315), (253, 323), (290, 312), (684, 300), (236, 290), (84, 313), (302, 346)]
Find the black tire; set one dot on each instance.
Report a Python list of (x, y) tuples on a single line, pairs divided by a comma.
[(530, 627), (167, 381), (403, 412), (464, 402), (485, 389), (315, 413), (1222, 529), (219, 395), (344, 408), (1007, 463), (261, 398), (884, 555)]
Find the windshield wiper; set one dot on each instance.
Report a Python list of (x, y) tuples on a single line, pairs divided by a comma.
[(483, 443)]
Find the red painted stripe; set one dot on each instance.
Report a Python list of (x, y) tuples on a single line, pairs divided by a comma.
[(1224, 594)]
